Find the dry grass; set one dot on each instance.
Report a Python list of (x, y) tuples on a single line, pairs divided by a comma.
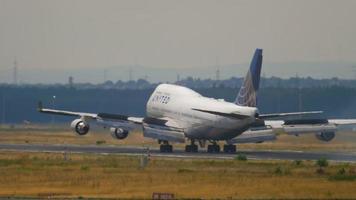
[(63, 135), (344, 141), (42, 174)]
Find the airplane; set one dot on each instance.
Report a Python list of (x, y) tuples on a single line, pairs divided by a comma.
[(177, 114)]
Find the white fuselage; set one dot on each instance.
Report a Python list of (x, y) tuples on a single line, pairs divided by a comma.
[(177, 104)]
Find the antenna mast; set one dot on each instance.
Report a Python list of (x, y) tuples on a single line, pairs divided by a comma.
[(15, 72)]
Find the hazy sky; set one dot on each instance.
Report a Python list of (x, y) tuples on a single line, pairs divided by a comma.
[(53, 39)]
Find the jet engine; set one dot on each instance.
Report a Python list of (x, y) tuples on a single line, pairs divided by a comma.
[(325, 136), (80, 127), (119, 133)]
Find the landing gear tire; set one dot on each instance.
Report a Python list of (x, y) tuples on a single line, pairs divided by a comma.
[(191, 148), (229, 148), (213, 148), (166, 148)]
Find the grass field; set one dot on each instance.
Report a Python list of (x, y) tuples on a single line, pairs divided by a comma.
[(48, 174), (41, 175), (344, 141)]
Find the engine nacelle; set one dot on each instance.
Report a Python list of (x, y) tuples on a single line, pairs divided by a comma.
[(119, 133), (80, 127), (325, 136)]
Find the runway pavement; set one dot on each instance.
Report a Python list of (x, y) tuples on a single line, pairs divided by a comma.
[(179, 153)]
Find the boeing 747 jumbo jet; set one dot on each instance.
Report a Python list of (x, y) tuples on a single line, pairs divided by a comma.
[(178, 114)]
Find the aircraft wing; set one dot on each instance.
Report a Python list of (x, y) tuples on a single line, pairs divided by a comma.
[(343, 121), (93, 116), (271, 128), (164, 129), (300, 126), (68, 113), (231, 115), (303, 122), (255, 136), (292, 114), (157, 128)]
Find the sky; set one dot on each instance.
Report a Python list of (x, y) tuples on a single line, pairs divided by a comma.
[(96, 40)]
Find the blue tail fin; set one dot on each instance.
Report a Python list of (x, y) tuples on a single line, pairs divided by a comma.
[(248, 93)]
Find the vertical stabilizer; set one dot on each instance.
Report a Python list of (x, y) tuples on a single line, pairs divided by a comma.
[(248, 93)]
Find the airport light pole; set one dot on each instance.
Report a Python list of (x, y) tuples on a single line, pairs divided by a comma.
[(3, 109), (54, 106)]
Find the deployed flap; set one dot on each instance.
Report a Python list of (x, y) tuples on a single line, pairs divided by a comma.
[(255, 136), (344, 124), (112, 116), (309, 128), (231, 115), (163, 133), (296, 129), (294, 114), (343, 121), (164, 122), (163, 129)]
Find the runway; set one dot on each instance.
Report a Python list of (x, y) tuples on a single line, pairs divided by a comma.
[(179, 153)]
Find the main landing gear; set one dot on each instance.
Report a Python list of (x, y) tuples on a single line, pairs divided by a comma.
[(229, 148), (215, 148), (165, 147), (192, 148)]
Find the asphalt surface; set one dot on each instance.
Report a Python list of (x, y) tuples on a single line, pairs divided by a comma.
[(179, 153)]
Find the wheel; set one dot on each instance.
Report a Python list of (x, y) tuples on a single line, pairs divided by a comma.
[(213, 148), (166, 148), (191, 148), (169, 148), (210, 149), (188, 148), (229, 148), (217, 149)]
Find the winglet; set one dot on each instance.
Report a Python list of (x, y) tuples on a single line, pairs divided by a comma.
[(39, 107)]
